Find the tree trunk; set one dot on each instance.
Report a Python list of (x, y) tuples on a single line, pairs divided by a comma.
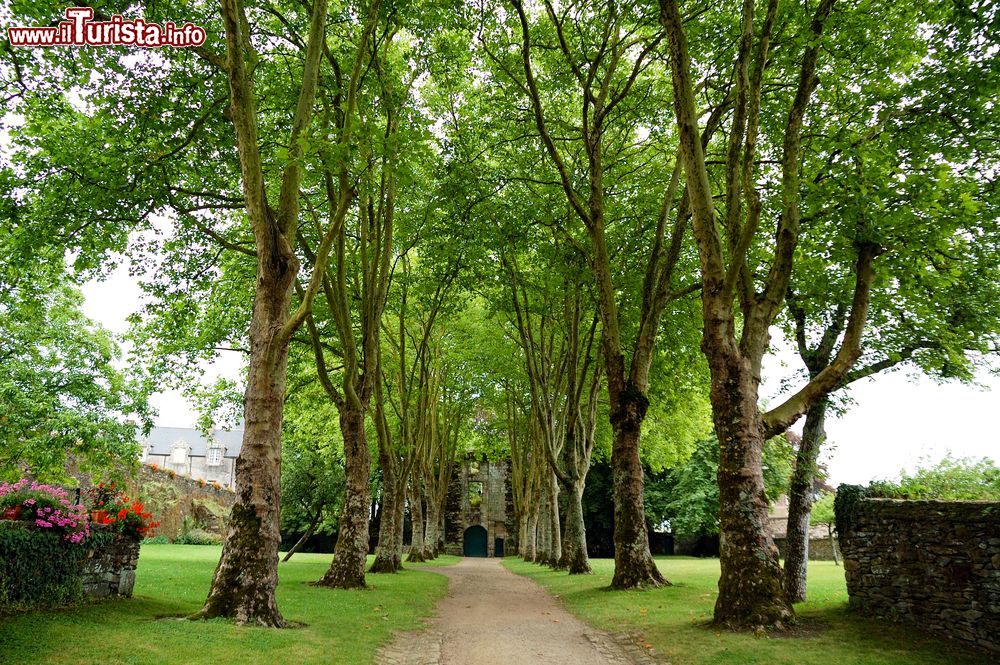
[(800, 498), (245, 580), (530, 547), (575, 544), (555, 539), (302, 541), (634, 565), (416, 554), (522, 533), (388, 552), (347, 570), (431, 535), (400, 509), (750, 592), (543, 544)]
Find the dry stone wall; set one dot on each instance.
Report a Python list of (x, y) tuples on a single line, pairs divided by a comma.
[(932, 564), (109, 570)]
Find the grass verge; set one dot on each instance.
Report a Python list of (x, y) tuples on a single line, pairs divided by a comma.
[(674, 620), (341, 626)]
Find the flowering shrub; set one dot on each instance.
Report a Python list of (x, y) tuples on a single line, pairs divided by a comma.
[(132, 520), (104, 496), (124, 515), (47, 507)]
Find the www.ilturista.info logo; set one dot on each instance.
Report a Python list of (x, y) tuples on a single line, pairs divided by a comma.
[(81, 30)]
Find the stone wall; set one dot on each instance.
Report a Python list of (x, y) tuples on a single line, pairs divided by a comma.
[(110, 570), (933, 564), (171, 498)]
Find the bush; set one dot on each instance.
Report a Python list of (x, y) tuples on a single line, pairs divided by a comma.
[(198, 537), (46, 507), (156, 540), (38, 567)]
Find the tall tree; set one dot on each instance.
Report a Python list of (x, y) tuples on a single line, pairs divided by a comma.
[(62, 400), (879, 153), (359, 272), (749, 590), (611, 80), (746, 275), (245, 579)]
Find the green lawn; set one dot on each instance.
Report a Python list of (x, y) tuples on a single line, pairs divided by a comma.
[(346, 627), (674, 620), (341, 626)]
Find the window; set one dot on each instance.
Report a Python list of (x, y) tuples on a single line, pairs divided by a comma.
[(475, 493), (214, 456), (180, 453)]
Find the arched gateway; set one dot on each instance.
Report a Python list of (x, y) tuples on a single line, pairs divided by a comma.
[(474, 541)]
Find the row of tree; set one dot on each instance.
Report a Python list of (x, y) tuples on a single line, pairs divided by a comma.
[(511, 227)]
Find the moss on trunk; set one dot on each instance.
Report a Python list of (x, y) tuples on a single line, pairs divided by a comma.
[(793, 577), (750, 592), (347, 570), (634, 565)]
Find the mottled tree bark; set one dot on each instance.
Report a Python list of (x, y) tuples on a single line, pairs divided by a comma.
[(245, 580), (244, 583), (575, 542), (431, 533), (555, 539), (388, 552), (347, 570), (800, 499), (543, 543), (749, 588), (530, 548), (634, 565), (416, 554)]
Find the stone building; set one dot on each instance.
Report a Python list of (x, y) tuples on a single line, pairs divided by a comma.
[(477, 509), (189, 453)]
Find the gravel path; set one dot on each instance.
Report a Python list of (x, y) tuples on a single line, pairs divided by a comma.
[(494, 617)]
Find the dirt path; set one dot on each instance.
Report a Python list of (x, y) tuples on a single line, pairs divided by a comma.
[(494, 617)]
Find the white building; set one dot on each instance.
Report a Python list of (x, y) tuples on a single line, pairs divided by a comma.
[(189, 453)]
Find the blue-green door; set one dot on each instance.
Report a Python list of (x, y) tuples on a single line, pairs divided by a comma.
[(474, 541)]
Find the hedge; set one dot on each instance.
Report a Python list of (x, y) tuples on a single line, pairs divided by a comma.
[(38, 568)]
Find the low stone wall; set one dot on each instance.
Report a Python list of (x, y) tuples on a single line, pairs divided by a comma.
[(109, 570), (933, 564)]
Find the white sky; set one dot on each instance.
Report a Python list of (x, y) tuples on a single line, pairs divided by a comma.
[(897, 419), (110, 302)]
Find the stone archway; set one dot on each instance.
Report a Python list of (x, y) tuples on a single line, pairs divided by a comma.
[(474, 542)]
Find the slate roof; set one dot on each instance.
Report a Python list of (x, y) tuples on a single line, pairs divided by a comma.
[(161, 441)]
